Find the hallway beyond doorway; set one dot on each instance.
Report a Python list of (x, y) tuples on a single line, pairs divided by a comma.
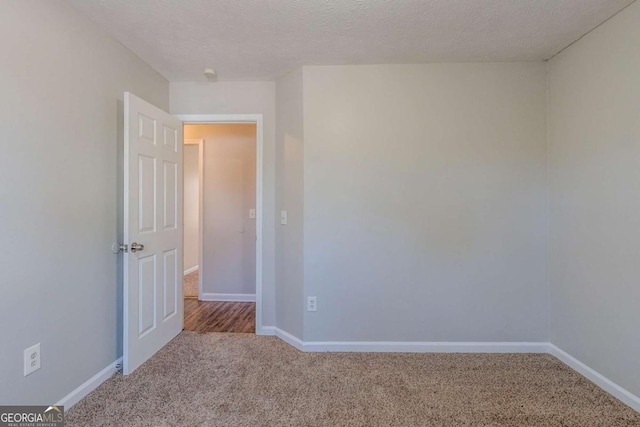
[(219, 316)]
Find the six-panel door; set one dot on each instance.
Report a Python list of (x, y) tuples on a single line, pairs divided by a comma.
[(153, 305)]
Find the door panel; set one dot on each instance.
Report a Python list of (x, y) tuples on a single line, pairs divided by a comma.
[(170, 170), (146, 294), (146, 129), (146, 194), (171, 286), (153, 307), (170, 138)]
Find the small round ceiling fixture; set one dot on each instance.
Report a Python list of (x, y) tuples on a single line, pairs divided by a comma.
[(210, 73)]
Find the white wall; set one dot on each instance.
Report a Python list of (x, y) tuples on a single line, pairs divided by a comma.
[(290, 197), (243, 98), (191, 234), (62, 82), (229, 193), (594, 141), (425, 202)]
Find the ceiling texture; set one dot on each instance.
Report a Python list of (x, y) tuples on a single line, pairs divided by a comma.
[(265, 39)]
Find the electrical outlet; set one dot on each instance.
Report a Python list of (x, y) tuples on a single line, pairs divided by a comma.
[(31, 359), (283, 217), (312, 304)]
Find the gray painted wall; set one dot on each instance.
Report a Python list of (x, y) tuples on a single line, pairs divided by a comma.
[(62, 82), (594, 142), (290, 197), (425, 202)]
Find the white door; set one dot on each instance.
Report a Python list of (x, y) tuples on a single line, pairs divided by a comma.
[(153, 304)]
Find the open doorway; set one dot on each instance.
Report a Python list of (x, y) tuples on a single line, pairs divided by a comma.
[(220, 227)]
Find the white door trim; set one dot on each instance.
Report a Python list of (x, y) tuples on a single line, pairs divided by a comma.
[(200, 144), (192, 119)]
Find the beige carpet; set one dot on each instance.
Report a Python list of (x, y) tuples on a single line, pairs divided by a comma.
[(246, 380), (190, 285)]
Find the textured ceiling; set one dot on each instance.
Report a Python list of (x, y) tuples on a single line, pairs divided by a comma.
[(264, 39)]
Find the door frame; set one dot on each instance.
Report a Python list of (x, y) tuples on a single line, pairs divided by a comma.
[(200, 144), (257, 119)]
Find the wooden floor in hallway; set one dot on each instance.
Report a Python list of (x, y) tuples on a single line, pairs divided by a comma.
[(218, 316)]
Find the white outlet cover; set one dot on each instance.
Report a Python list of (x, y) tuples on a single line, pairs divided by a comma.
[(31, 359), (312, 304)]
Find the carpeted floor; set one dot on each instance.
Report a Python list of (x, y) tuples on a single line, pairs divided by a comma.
[(246, 380), (190, 285)]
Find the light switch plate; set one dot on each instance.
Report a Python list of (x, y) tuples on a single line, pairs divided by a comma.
[(252, 214), (283, 217)]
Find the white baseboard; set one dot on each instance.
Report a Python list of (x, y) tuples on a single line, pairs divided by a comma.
[(228, 297), (409, 346), (283, 335), (266, 331), (290, 339), (625, 396), (425, 347), (191, 270), (88, 386)]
